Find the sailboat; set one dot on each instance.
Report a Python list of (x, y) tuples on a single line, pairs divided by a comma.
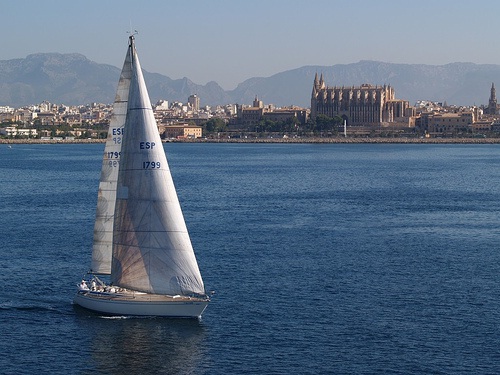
[(140, 236)]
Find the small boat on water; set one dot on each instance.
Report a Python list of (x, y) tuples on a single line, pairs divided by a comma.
[(140, 236)]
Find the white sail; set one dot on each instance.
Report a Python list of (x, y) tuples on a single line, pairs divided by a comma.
[(152, 251), (106, 196)]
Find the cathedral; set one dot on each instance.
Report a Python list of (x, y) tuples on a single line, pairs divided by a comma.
[(365, 105)]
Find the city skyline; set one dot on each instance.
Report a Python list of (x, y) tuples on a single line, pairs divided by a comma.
[(229, 42)]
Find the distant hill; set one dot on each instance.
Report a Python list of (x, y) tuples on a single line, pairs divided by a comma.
[(73, 79), (456, 83)]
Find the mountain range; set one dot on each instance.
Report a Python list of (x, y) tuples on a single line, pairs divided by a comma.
[(72, 79)]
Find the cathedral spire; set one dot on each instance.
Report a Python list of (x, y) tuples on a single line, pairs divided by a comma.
[(492, 105), (315, 86), (321, 82)]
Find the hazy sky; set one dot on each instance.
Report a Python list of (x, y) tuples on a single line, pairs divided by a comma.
[(229, 41)]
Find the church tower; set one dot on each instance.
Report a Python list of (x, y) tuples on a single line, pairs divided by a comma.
[(492, 105), (318, 86), (258, 103)]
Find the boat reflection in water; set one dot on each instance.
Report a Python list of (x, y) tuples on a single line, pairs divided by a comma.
[(120, 345)]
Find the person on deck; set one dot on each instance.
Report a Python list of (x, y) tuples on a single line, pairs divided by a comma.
[(83, 285)]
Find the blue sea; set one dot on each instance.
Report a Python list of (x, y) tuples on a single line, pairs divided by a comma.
[(325, 259)]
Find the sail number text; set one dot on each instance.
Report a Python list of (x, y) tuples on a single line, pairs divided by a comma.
[(113, 157), (117, 133), (146, 145), (151, 165), (113, 154)]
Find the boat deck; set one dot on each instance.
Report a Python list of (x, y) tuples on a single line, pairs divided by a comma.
[(139, 296)]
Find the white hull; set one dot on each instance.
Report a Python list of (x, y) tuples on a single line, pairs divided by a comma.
[(141, 304)]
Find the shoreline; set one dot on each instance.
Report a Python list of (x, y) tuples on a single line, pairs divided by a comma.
[(317, 140)]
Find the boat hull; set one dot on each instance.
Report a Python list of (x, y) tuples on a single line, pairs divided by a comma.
[(141, 304)]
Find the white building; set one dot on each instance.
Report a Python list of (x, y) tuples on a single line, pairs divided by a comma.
[(6, 109), (12, 131)]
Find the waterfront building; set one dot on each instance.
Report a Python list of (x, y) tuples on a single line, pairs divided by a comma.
[(161, 105), (14, 131), (6, 109), (251, 116), (449, 123), (283, 114), (7, 117), (248, 116), (364, 105), (46, 118), (25, 116), (482, 126), (73, 119), (194, 102), (181, 131)]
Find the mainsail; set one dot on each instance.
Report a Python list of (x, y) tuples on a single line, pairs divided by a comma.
[(106, 196), (152, 251)]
